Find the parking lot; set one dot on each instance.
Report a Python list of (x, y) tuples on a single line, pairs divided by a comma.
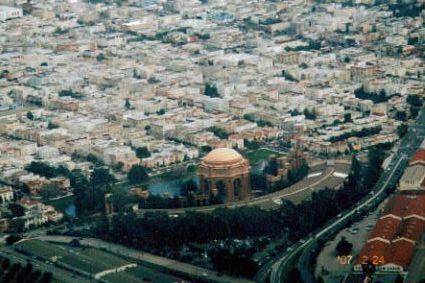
[(327, 261)]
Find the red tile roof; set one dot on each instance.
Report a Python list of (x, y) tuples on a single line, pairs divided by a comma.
[(412, 228), (385, 228), (400, 253), (396, 232), (419, 156), (405, 205)]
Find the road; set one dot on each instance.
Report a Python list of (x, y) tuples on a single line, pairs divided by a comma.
[(408, 145)]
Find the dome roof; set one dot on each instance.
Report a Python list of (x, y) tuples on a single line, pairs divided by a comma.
[(223, 155)]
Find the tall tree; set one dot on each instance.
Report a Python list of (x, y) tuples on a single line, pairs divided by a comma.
[(137, 174)]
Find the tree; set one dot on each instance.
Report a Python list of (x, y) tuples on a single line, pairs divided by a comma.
[(206, 148), (399, 279), (104, 15), (401, 116), (94, 159), (42, 169), (47, 277), (211, 90), (402, 130), (100, 57), (249, 117), (101, 176), (343, 247), (294, 276), (272, 167), (11, 240), (188, 188), (142, 152), (160, 111), (414, 100), (75, 243), (5, 264), (219, 132), (137, 174), (311, 115), (17, 209), (360, 93), (264, 123), (127, 104), (347, 118), (49, 191), (295, 112), (30, 115), (52, 125), (288, 76)]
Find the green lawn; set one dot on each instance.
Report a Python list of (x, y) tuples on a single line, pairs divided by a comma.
[(259, 154), (140, 274), (86, 259)]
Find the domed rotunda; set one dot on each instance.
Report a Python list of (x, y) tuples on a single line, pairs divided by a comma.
[(224, 174)]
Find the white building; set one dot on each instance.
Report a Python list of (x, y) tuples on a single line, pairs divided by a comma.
[(7, 13), (6, 194)]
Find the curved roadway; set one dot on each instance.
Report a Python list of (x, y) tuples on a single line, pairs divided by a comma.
[(296, 193)]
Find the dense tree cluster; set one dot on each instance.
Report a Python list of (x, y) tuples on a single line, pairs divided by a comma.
[(137, 174), (90, 192), (158, 230), (236, 260), (364, 132), (401, 9), (253, 144), (45, 170), (16, 273), (360, 93), (219, 132), (312, 45)]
